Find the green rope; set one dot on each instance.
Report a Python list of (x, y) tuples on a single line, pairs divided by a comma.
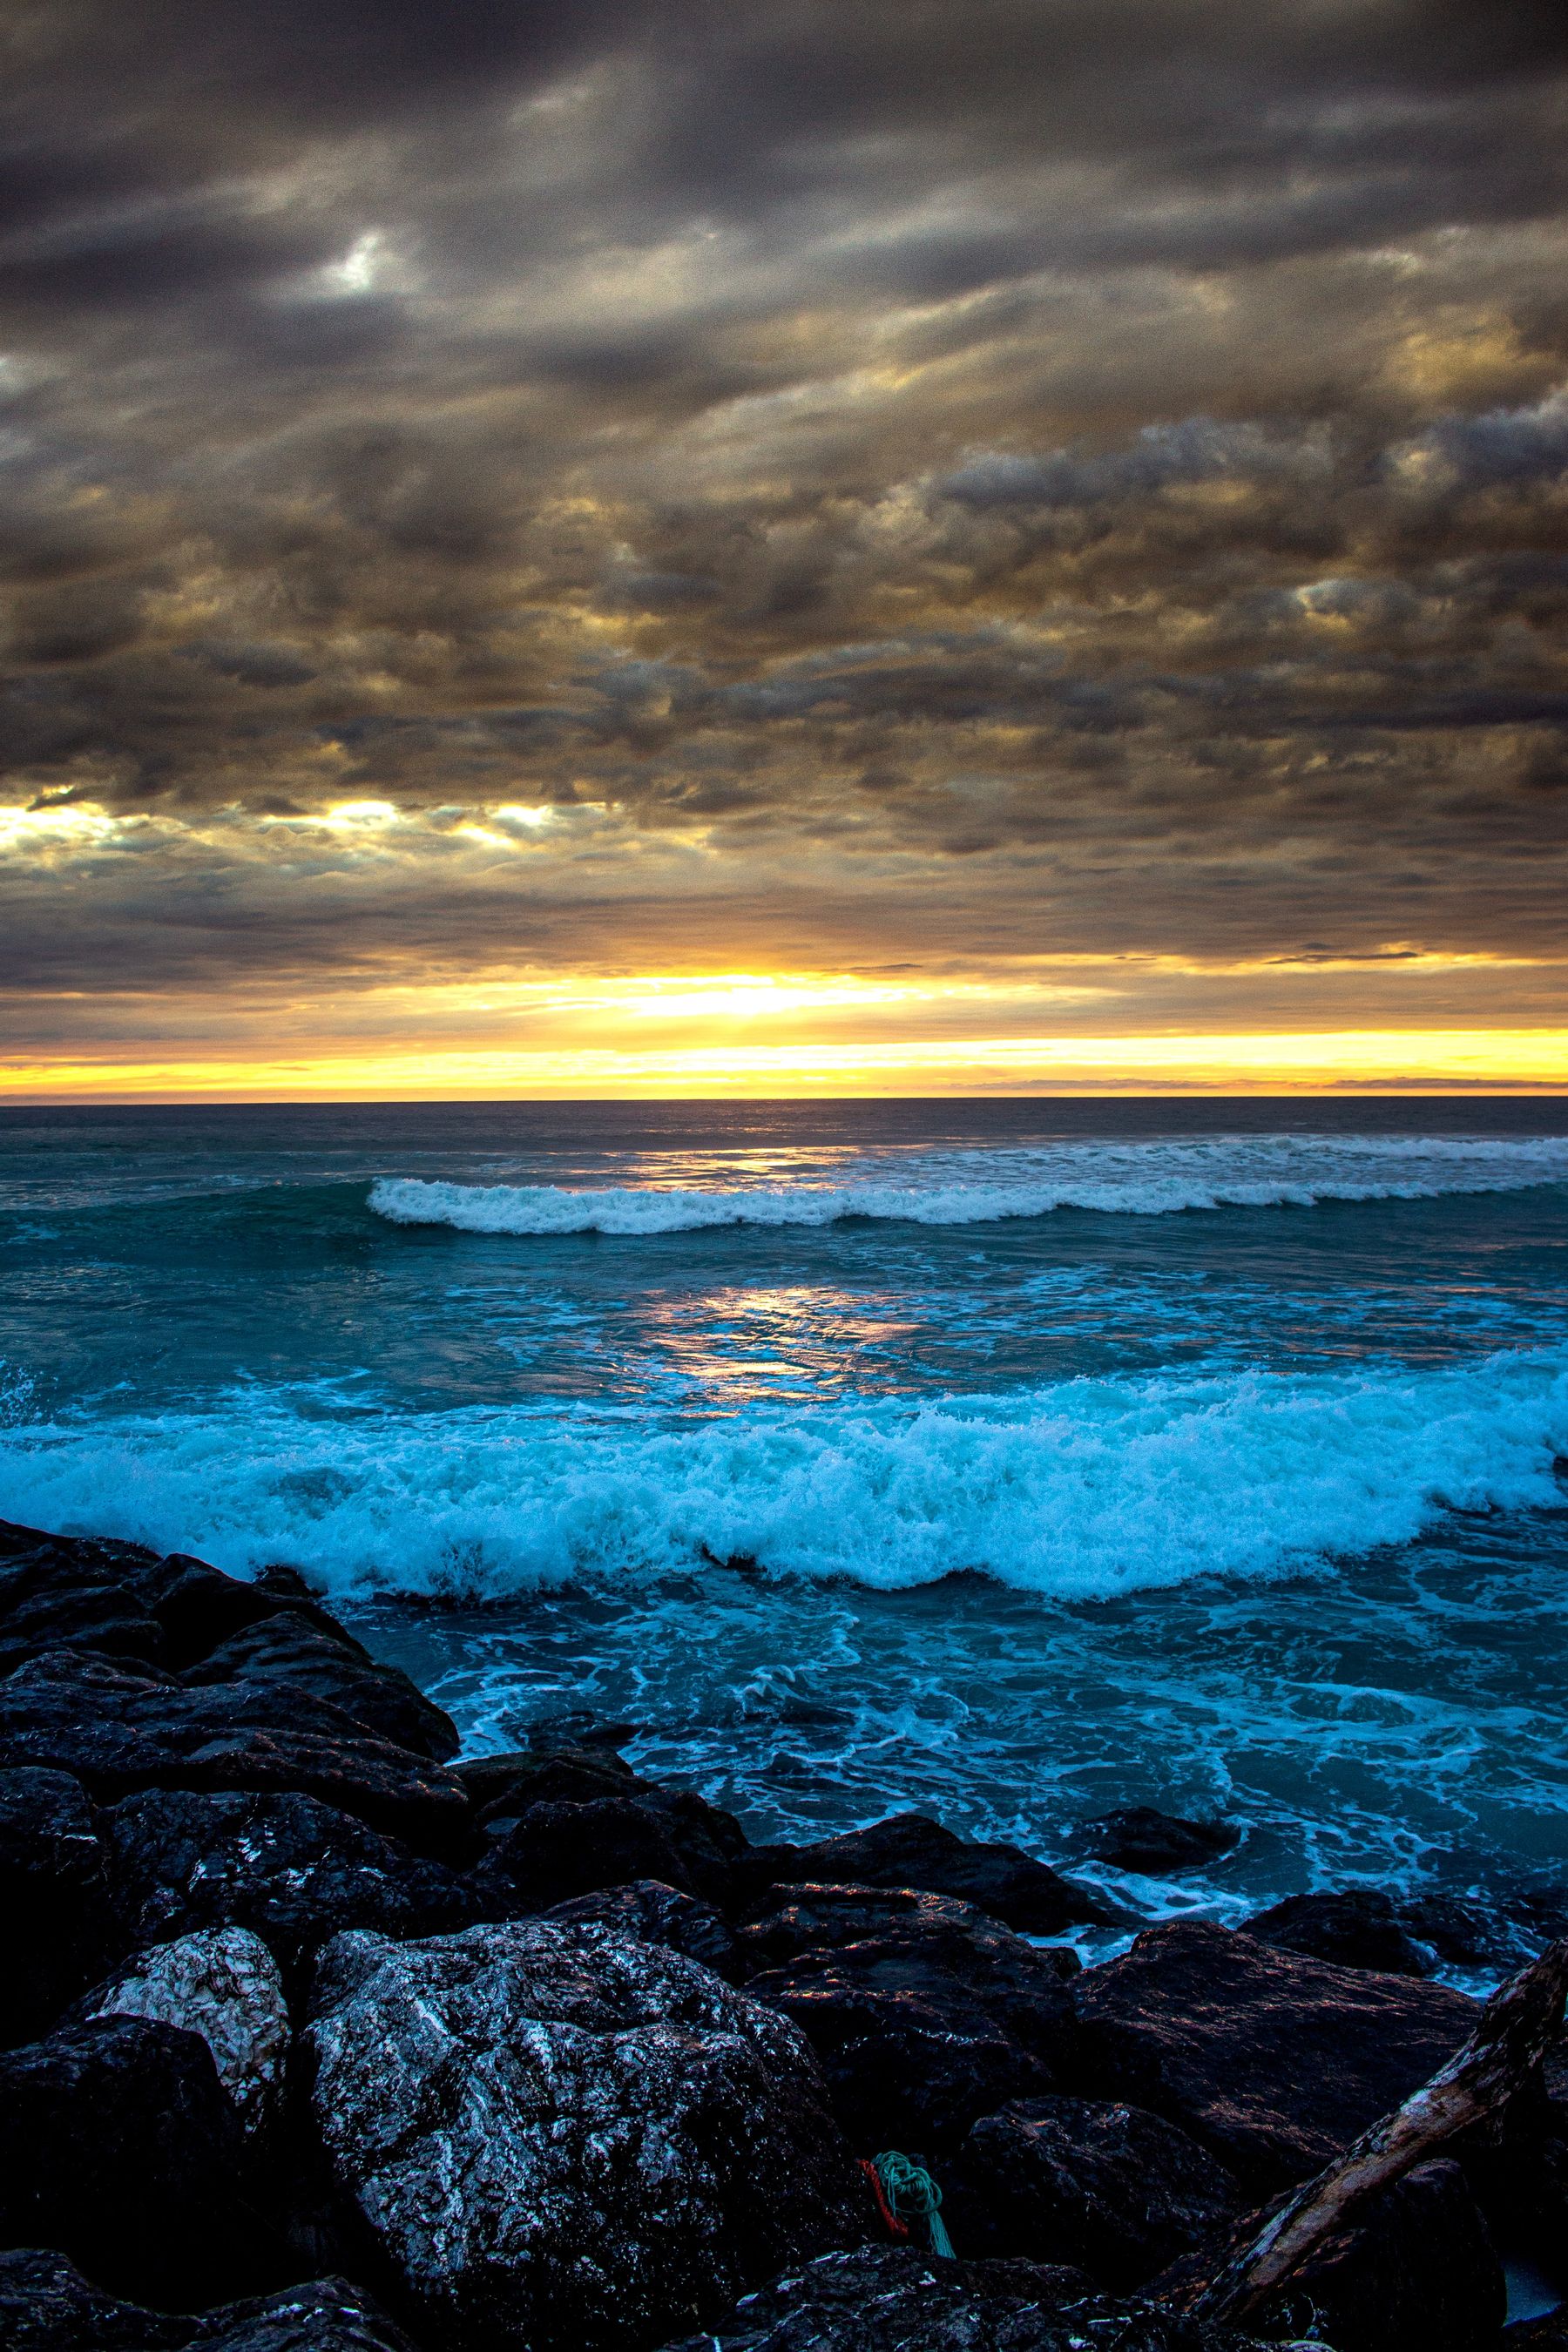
[(909, 2189)]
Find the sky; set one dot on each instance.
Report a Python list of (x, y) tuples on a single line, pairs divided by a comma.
[(885, 546)]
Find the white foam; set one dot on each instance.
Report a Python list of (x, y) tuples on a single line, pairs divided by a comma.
[(980, 1187), (1084, 1489)]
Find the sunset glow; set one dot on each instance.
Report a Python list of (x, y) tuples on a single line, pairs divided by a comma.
[(1435, 1061)]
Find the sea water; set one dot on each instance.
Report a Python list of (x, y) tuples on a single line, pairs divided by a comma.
[(1006, 1460)]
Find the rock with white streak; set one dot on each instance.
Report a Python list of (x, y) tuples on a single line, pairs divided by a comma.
[(225, 1985), (562, 2137)]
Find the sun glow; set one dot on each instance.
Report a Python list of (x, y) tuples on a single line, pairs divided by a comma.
[(1435, 1061)]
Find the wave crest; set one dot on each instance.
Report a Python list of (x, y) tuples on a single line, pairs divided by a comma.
[(1087, 1489), (984, 1187)]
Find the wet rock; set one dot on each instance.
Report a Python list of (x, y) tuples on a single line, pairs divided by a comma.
[(1418, 2273), (57, 1594), (46, 2306), (54, 1898), (1548, 2333), (196, 1605), (565, 2137), (555, 1852), (118, 1730), (288, 1649), (502, 1788), (925, 2023), (891, 2299), (119, 2147), (659, 1914), (323, 2315), (1274, 2062), (1359, 1929), (1095, 2182), (287, 1867), (1155, 1845), (223, 1984), (1468, 1934), (910, 1851), (820, 1919)]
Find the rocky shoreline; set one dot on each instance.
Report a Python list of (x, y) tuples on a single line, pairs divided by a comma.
[(320, 2038)]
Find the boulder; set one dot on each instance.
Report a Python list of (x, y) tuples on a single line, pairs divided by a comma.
[(1092, 2182), (119, 1728), (555, 1852), (323, 2315), (287, 1867), (223, 1984), (892, 2299), (55, 1594), (46, 2306), (821, 1918), (54, 1898), (1274, 2062), (120, 2147), (1155, 1845), (1548, 2332), (1468, 1933), (932, 2019), (910, 1851), (659, 1915), (1418, 2273), (565, 2137), (502, 1788), (1359, 1929), (124, 1600), (196, 1605), (288, 1649)]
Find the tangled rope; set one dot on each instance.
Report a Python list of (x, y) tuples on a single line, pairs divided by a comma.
[(904, 2188)]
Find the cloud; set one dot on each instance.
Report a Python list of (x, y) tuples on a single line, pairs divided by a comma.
[(1036, 476)]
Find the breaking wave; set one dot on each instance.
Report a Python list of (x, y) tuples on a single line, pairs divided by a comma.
[(980, 1187), (1080, 1490)]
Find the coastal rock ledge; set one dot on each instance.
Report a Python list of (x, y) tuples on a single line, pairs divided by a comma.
[(316, 2036)]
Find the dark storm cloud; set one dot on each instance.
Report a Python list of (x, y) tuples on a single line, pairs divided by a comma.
[(1095, 472)]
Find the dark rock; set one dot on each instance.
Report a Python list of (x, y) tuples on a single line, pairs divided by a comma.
[(926, 2023), (46, 2306), (1546, 2333), (910, 1851), (892, 2299), (118, 1730), (574, 1727), (501, 1789), (223, 1984), (288, 1867), (557, 1852), (57, 1594), (1357, 1929), (54, 1898), (323, 2316), (119, 2147), (820, 1919), (1111, 2187), (1273, 2060), (1468, 1934), (659, 1915), (1156, 1844), (195, 1605), (1418, 2273), (287, 1649), (565, 2137)]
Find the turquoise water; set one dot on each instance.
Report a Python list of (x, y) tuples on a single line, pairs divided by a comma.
[(1008, 1459)]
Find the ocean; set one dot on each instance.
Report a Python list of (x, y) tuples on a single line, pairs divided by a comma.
[(1006, 1460)]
